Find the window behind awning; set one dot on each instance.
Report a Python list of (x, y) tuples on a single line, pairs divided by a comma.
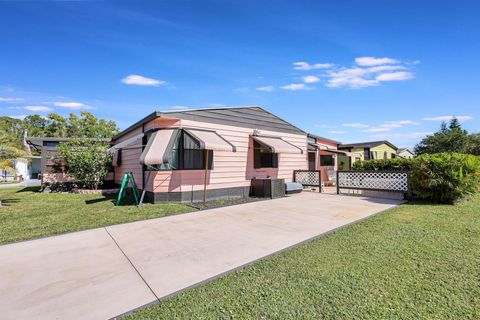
[(159, 147), (211, 140), (277, 144)]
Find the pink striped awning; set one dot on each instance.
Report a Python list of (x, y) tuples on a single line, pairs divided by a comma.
[(210, 140), (277, 144), (158, 147)]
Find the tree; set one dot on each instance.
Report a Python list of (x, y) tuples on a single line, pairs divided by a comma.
[(451, 138), (87, 160), (9, 152), (35, 125)]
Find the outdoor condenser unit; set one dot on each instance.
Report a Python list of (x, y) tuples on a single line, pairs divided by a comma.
[(267, 188)]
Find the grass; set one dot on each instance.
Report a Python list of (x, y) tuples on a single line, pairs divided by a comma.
[(28, 214), (9, 182), (416, 261)]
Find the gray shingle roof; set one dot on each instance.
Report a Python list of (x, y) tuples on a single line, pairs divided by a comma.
[(253, 117)]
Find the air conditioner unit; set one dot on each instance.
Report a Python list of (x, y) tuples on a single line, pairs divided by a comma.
[(267, 188)]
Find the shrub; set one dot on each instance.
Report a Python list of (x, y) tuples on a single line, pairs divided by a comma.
[(395, 164), (87, 161), (440, 177), (445, 177)]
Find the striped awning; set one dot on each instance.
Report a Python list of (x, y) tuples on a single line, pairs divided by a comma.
[(211, 140), (277, 144), (158, 147), (136, 139)]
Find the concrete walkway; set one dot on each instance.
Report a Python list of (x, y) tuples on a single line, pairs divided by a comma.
[(103, 273)]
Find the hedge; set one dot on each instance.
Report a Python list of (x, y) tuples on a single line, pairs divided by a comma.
[(440, 177)]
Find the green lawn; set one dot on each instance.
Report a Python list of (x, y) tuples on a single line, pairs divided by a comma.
[(28, 214), (415, 261)]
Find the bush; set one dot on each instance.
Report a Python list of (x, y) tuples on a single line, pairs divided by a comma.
[(445, 177), (440, 177), (87, 161), (395, 164)]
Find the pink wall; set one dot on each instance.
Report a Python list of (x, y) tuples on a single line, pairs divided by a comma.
[(230, 169), (324, 169)]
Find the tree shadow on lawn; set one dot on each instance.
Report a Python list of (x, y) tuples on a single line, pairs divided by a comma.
[(30, 189)]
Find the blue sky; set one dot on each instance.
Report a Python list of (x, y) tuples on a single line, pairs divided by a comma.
[(349, 70)]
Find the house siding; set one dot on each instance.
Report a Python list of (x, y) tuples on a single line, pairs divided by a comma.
[(230, 169), (378, 151)]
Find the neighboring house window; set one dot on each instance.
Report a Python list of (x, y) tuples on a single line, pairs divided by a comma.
[(50, 143), (327, 160), (385, 155), (263, 157), (366, 154), (186, 155)]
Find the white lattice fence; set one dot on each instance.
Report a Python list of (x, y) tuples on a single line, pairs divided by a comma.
[(396, 181), (307, 177)]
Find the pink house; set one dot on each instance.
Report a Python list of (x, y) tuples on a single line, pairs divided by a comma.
[(323, 155), (175, 155)]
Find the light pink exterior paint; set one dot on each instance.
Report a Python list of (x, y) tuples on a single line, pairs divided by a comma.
[(230, 169), (324, 169)]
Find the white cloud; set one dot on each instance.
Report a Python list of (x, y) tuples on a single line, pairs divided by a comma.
[(401, 136), (448, 118), (20, 117), (324, 126), (310, 79), (355, 125), (216, 105), (337, 132), (135, 79), (368, 72), (38, 108), (402, 122), (11, 99), (379, 129), (296, 87), (394, 76), (386, 68), (72, 105), (265, 88), (372, 61), (302, 65), (390, 125), (179, 107)]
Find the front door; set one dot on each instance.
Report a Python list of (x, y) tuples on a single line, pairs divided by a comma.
[(311, 161)]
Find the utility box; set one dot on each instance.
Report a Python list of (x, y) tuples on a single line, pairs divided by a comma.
[(267, 188)]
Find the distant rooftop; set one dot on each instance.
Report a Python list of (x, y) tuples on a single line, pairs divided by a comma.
[(368, 144)]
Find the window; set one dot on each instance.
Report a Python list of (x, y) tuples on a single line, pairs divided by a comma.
[(186, 155), (191, 157), (50, 143), (385, 155), (263, 157), (327, 160), (366, 154)]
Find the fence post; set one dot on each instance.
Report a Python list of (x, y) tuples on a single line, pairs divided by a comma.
[(338, 189), (319, 181)]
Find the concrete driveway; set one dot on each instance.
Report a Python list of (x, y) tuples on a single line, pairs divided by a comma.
[(106, 272)]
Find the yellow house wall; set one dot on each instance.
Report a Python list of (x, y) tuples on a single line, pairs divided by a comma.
[(378, 151)]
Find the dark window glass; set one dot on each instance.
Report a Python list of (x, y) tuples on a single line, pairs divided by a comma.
[(186, 155), (327, 160), (366, 153), (385, 155), (50, 143), (263, 157)]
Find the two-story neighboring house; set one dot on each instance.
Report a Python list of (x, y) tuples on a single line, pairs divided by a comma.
[(371, 150)]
